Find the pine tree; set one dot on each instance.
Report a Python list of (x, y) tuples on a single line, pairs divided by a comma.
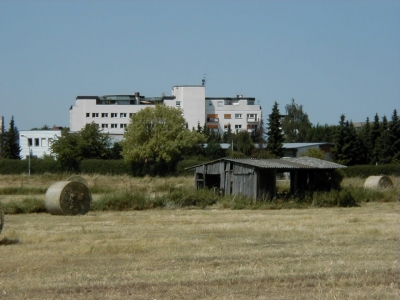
[(275, 136), (11, 148), (394, 129), (348, 147), (375, 134), (365, 137)]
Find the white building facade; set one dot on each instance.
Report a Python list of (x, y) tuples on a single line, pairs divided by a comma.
[(36, 142), (112, 113)]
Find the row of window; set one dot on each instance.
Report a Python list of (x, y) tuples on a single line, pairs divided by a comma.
[(214, 117), (105, 115), (114, 126), (39, 142)]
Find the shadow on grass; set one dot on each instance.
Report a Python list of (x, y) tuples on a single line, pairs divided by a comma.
[(6, 241)]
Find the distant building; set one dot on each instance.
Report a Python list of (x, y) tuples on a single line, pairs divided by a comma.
[(112, 113), (296, 149), (37, 142)]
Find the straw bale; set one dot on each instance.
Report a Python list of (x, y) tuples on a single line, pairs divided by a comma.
[(378, 182), (68, 198), (78, 178)]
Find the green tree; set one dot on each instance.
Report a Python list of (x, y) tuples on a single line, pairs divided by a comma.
[(295, 124), (275, 136), (11, 149), (243, 143), (72, 147), (394, 130), (321, 133), (158, 133), (314, 152), (348, 147)]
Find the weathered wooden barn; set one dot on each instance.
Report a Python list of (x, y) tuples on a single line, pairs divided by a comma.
[(256, 178)]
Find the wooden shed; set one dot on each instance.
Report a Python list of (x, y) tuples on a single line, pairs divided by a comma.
[(256, 178)]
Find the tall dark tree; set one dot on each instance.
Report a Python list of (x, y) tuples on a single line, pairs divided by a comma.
[(365, 137), (11, 147), (394, 129), (375, 134), (295, 124), (321, 133), (348, 145), (275, 136)]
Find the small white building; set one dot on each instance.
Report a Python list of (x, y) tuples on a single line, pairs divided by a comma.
[(112, 113), (36, 142)]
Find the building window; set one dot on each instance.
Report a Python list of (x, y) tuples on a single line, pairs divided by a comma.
[(122, 125), (131, 115), (220, 103), (114, 125), (238, 116), (95, 115), (178, 103), (44, 142), (227, 116), (226, 127), (87, 115), (237, 127), (114, 115), (29, 142), (252, 117), (122, 115), (37, 142), (104, 115), (104, 125)]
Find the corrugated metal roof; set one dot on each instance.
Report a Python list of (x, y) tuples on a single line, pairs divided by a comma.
[(294, 163)]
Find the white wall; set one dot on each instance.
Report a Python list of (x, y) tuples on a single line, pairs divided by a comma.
[(41, 140)]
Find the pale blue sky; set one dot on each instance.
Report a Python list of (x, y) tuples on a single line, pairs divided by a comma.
[(332, 57)]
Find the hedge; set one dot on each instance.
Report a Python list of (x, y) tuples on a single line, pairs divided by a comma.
[(365, 171)]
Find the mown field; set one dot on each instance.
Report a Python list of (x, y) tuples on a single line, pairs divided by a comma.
[(191, 253)]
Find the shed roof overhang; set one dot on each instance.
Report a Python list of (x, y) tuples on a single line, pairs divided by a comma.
[(285, 164)]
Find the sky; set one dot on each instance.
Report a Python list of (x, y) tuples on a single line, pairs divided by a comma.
[(332, 57)]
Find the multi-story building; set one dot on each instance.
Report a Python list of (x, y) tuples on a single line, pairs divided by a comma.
[(112, 113)]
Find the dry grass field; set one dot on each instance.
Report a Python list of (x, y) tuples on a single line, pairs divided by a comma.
[(314, 253)]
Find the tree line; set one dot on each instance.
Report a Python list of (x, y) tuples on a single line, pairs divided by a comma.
[(159, 136)]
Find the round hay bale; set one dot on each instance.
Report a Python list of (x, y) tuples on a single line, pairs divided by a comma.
[(78, 178), (68, 198), (1, 220), (378, 182)]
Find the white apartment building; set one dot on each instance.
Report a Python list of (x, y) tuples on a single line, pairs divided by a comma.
[(36, 142), (112, 112)]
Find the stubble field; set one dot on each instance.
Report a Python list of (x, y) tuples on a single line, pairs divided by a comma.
[(314, 253)]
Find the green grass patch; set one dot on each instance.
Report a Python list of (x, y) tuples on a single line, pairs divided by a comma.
[(22, 190), (26, 206)]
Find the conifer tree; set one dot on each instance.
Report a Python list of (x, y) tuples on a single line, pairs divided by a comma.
[(11, 148), (275, 135), (348, 147), (394, 129)]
